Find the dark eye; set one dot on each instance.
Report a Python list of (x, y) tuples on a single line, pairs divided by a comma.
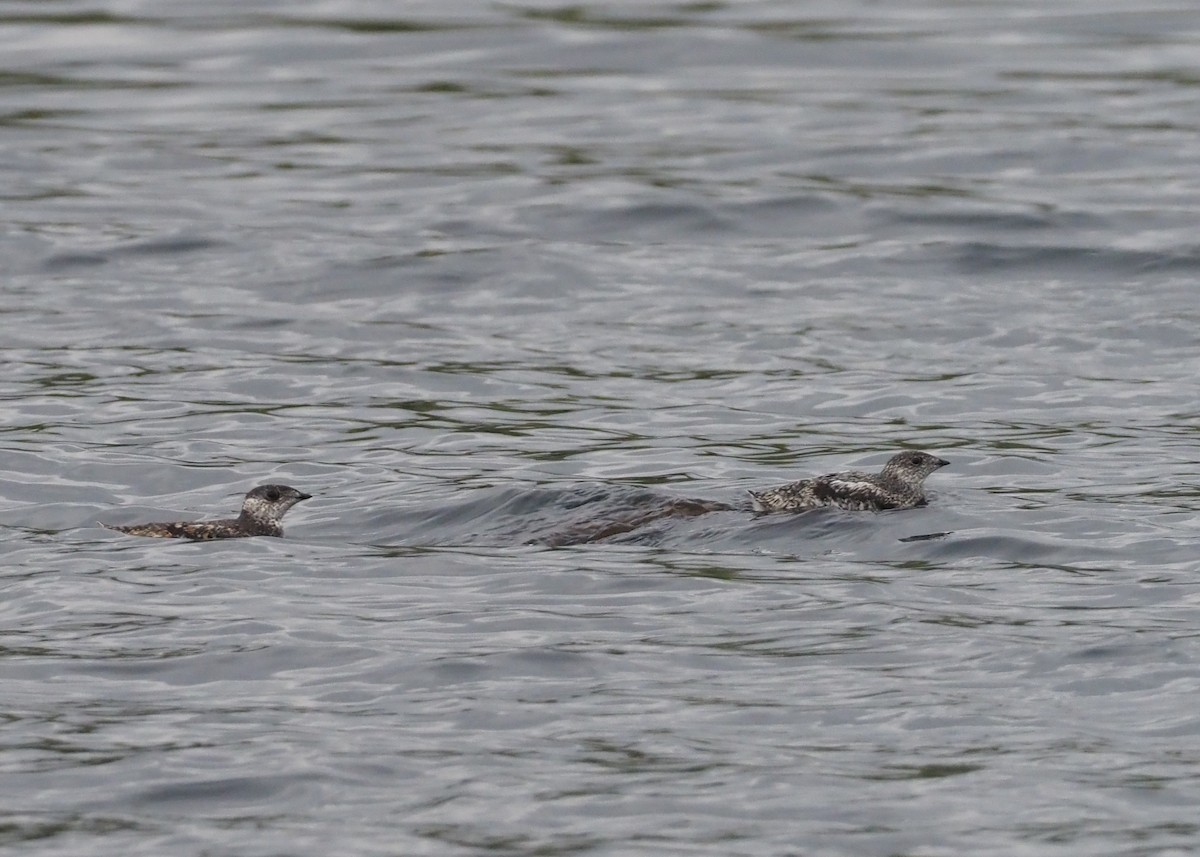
[(272, 494)]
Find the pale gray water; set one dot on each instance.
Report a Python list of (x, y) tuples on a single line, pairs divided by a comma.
[(470, 273)]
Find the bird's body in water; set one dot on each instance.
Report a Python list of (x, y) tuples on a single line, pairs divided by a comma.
[(262, 511), (900, 485)]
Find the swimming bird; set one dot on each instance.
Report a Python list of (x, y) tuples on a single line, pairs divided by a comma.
[(262, 510), (900, 485)]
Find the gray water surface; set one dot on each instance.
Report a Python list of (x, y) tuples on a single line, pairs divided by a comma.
[(470, 273)]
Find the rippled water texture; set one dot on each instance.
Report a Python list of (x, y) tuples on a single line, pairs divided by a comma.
[(478, 274)]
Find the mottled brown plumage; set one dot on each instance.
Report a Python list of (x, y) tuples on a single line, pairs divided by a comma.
[(900, 485), (262, 511)]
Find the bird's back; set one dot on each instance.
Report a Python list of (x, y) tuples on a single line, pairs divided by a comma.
[(230, 528), (853, 490)]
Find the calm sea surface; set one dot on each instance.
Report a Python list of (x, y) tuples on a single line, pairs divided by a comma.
[(473, 273)]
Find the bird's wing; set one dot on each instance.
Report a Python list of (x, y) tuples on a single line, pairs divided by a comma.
[(852, 491), (846, 484)]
